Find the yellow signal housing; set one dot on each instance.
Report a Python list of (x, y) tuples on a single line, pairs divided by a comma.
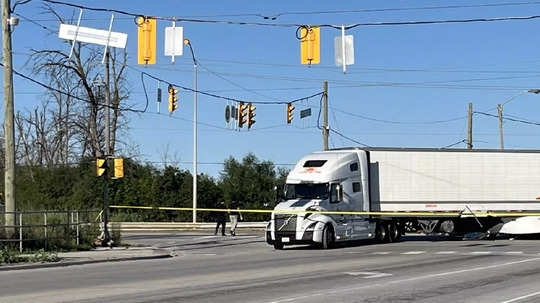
[(251, 114), (118, 168), (172, 98), (146, 51), (101, 167), (310, 45), (290, 109), (242, 114)]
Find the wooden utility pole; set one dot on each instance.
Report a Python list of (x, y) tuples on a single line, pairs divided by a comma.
[(9, 129), (469, 127), (500, 109), (325, 116)]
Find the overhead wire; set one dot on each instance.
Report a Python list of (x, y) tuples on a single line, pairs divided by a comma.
[(347, 27), (399, 122), (509, 119)]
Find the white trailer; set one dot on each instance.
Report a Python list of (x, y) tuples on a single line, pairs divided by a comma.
[(382, 192)]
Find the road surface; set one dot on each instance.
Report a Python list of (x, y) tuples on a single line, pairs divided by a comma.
[(244, 269)]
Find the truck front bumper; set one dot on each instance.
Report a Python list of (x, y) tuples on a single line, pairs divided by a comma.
[(289, 238)]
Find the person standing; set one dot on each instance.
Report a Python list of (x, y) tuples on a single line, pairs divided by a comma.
[(220, 218), (233, 216)]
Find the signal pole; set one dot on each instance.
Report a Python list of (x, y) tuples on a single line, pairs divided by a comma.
[(325, 116), (9, 179)]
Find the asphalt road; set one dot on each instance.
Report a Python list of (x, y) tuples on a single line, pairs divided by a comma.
[(245, 269)]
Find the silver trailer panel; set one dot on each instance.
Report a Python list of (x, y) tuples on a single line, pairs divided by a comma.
[(439, 180)]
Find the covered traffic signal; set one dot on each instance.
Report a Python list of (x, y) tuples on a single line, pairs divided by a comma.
[(251, 114), (172, 98), (101, 166), (146, 34), (242, 114), (290, 109), (310, 50)]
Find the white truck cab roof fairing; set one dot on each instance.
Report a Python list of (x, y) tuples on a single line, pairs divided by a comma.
[(335, 165)]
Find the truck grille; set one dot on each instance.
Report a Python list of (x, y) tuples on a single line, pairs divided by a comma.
[(285, 222)]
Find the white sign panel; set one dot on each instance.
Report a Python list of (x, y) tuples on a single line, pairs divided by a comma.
[(349, 50), (174, 41), (92, 35)]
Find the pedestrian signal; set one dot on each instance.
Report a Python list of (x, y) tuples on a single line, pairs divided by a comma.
[(101, 167)]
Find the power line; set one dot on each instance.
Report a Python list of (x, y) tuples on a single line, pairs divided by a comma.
[(350, 26), (218, 96), (350, 139), (70, 95), (509, 119), (454, 144), (398, 122)]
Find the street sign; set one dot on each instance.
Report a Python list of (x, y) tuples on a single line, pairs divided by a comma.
[(349, 50), (174, 41), (305, 113), (92, 35)]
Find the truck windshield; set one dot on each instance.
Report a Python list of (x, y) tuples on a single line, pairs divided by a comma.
[(307, 191)]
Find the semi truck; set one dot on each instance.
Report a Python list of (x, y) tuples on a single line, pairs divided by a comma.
[(356, 193)]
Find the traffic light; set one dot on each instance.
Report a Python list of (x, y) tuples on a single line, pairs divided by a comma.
[(101, 167), (251, 114), (242, 107), (146, 34), (172, 98), (310, 50), (290, 109), (118, 168)]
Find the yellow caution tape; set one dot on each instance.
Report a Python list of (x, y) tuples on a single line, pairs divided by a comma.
[(373, 213)]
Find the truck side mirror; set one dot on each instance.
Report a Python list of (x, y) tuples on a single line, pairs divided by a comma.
[(339, 189)]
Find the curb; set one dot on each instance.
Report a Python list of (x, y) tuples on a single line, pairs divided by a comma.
[(70, 263)]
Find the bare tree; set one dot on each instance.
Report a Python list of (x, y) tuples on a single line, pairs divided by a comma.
[(77, 121)]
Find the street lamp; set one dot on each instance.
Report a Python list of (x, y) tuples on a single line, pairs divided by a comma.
[(187, 42), (500, 110)]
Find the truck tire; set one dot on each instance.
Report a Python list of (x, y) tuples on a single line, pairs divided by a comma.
[(327, 237), (393, 232), (380, 232), (278, 245)]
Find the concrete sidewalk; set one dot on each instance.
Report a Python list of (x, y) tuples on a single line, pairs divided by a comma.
[(98, 255)]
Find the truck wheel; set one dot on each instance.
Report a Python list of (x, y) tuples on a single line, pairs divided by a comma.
[(278, 245), (393, 232), (380, 232), (327, 237)]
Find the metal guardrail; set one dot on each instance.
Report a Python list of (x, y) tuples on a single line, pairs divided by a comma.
[(72, 219), (176, 226)]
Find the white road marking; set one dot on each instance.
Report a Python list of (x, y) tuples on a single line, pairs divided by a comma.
[(414, 252), (481, 252), (522, 297), (350, 289), (513, 252), (381, 253), (368, 274), (449, 252)]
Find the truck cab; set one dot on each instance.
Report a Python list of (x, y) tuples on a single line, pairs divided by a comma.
[(323, 181)]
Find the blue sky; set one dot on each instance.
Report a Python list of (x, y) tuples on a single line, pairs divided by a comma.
[(406, 76)]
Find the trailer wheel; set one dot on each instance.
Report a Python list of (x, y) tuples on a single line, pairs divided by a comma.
[(380, 232), (328, 237), (278, 245)]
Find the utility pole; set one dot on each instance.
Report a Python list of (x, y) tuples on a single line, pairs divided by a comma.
[(325, 116), (108, 153), (469, 127), (499, 109), (9, 129)]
